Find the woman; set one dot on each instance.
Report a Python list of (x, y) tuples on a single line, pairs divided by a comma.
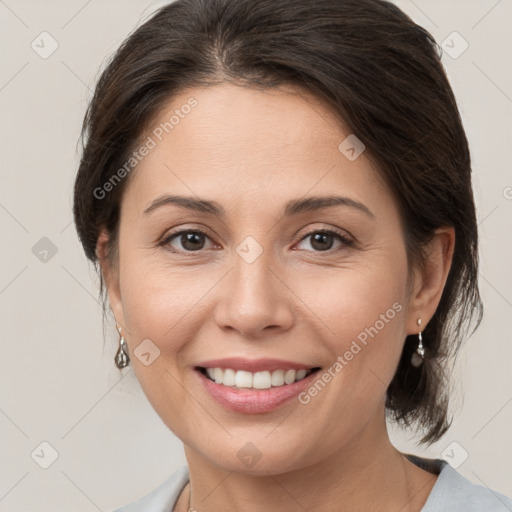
[(278, 197)]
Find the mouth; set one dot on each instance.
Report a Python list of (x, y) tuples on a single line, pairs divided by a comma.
[(242, 379), (255, 392)]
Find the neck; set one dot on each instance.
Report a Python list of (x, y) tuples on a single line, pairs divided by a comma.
[(369, 474)]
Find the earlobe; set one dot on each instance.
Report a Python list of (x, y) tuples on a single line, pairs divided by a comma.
[(110, 276), (432, 280)]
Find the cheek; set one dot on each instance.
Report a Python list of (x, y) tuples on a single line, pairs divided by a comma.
[(350, 299), (359, 313), (362, 322), (157, 301), (162, 304)]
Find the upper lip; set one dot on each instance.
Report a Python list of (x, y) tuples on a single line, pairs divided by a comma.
[(255, 365)]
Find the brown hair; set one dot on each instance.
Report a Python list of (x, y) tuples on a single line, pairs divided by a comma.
[(376, 69)]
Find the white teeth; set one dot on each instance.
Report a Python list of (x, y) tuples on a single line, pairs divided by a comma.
[(242, 379), (289, 376), (261, 380), (218, 375), (257, 380), (229, 377), (278, 378), (301, 374)]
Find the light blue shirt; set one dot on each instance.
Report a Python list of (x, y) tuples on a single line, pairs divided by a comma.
[(451, 493)]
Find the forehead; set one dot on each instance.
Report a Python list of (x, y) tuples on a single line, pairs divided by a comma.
[(239, 143)]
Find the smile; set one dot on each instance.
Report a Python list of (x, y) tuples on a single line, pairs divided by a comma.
[(240, 394), (255, 380)]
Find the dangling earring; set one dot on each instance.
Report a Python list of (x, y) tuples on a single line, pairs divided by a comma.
[(122, 358), (419, 354)]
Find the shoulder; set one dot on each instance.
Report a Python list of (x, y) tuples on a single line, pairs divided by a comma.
[(455, 493), (451, 492), (163, 498)]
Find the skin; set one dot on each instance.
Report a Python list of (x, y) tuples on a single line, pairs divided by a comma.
[(252, 151)]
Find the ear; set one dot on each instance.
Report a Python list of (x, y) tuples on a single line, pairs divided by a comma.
[(111, 278), (429, 283)]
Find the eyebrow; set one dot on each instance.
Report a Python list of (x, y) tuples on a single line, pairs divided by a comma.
[(293, 207)]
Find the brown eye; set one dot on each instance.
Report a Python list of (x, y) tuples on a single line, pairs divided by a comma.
[(190, 240), (323, 240)]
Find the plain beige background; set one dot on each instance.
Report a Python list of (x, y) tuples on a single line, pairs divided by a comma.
[(103, 444)]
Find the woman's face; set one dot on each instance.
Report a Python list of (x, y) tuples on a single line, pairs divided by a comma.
[(262, 282)]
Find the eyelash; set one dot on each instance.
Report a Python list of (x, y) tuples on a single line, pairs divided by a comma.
[(338, 234)]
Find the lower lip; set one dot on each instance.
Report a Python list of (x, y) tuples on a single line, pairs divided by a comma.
[(252, 401)]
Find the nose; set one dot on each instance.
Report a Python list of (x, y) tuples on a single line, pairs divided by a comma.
[(255, 300)]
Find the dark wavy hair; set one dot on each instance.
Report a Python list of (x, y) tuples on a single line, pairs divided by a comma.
[(377, 70)]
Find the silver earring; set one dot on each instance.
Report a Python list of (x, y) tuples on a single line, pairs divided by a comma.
[(419, 354), (122, 360)]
